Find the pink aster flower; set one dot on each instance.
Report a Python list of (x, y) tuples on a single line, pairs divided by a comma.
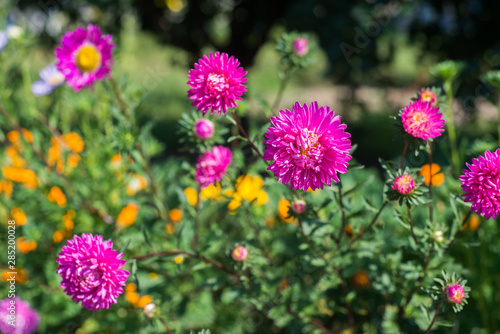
[(84, 56), (18, 312), (90, 271), (300, 46), (403, 184), (239, 254), (454, 293), (309, 146), (481, 183), (216, 83), (204, 129), (212, 166), (427, 95), (422, 120)]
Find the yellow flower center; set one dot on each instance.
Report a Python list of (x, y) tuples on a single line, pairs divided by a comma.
[(88, 58)]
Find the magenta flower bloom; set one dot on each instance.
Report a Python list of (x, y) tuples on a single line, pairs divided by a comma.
[(90, 271), (204, 129), (422, 120), (239, 254), (428, 95), (212, 166), (403, 184), (18, 312), (84, 56), (309, 146), (300, 46), (216, 83), (454, 293), (481, 183)]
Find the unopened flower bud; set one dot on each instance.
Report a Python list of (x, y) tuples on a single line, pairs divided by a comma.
[(454, 293), (299, 206), (239, 254), (300, 46), (149, 310), (438, 236), (204, 129)]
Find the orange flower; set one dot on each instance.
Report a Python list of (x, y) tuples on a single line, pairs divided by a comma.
[(116, 161), (73, 160), (136, 184), (18, 215), (131, 287), (128, 215), (360, 279), (58, 236), (13, 137), (67, 219), (25, 246), (132, 297), (27, 135), (6, 187), (175, 215), (170, 228), (15, 159), (191, 195), (56, 195), (428, 171), (472, 224), (74, 142), (283, 211), (145, 300), (20, 275), (178, 259), (21, 175)]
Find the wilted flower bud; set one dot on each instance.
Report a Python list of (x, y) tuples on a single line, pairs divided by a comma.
[(454, 293), (403, 184), (300, 46), (149, 310), (239, 254), (299, 206), (438, 236), (204, 129)]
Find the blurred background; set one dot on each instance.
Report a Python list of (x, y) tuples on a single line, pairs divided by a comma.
[(371, 57)]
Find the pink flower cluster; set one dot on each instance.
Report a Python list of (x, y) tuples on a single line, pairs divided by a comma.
[(422, 120), (90, 271), (481, 184), (309, 146), (212, 165), (18, 312), (216, 82)]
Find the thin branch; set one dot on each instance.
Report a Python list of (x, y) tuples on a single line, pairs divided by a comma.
[(433, 319), (370, 226), (195, 256), (401, 163), (316, 323), (411, 224), (165, 324), (244, 133)]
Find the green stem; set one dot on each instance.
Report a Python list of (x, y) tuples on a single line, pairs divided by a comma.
[(430, 183), (448, 87), (433, 319), (401, 163), (284, 81)]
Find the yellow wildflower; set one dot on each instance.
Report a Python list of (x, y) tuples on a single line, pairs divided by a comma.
[(170, 228), (283, 210), (74, 142), (191, 195), (6, 187), (178, 259), (248, 188), (213, 191), (473, 223)]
